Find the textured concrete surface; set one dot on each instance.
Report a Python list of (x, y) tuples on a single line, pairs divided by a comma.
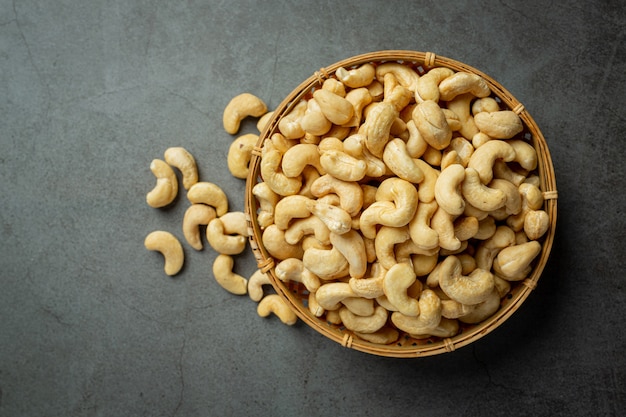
[(91, 92)]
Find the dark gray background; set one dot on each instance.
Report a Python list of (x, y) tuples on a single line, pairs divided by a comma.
[(92, 91)]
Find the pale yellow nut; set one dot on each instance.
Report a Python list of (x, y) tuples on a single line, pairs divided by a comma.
[(397, 158), (330, 295), (313, 121), (377, 126), (406, 76), (351, 195), (239, 155), (463, 82), (359, 306), (483, 310), (166, 188), (503, 124), (184, 161), (370, 286), (445, 328), (385, 242), (273, 239), (293, 270), (343, 166), (536, 224), (210, 194), (224, 275), (364, 324), (395, 285), (483, 158), (487, 250), (273, 304), (427, 86), (479, 195), (471, 289), (431, 121), (404, 196), (337, 109), (384, 336), (240, 107), (361, 76), (267, 200), (327, 264), (513, 263), (263, 121), (442, 222), (428, 318), (255, 284), (352, 247), (195, 216), (336, 219), (222, 241), (170, 248), (299, 156), (461, 107), (448, 190), (273, 175)]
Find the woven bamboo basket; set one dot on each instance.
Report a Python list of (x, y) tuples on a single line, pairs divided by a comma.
[(405, 346)]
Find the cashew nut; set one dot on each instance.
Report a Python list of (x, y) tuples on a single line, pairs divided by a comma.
[(327, 264), (272, 174), (350, 193), (483, 310), (239, 108), (298, 156), (485, 104), (293, 269), (460, 105), (396, 157), (289, 125), (166, 188), (415, 144), (371, 286), (419, 227), (291, 207), (513, 200), (335, 218), (272, 303), (311, 225), (463, 82), (170, 248), (395, 93), (239, 155), (343, 166), (267, 201), (536, 224), (196, 215), (359, 306), (479, 195), (352, 247), (377, 126), (471, 289), (532, 199), (221, 239), (330, 295), (432, 124), (383, 336), (313, 120), (448, 190), (273, 239), (525, 154), (428, 84), (513, 262), (360, 98), (364, 324), (428, 318), (336, 108), (487, 250), (406, 76), (180, 158), (483, 158), (361, 76), (397, 281), (502, 124), (255, 284), (210, 194), (224, 275), (263, 121)]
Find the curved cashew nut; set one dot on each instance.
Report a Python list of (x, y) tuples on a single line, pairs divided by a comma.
[(180, 158), (352, 247), (513, 262), (452, 309), (371, 286), (502, 170), (513, 200), (313, 120), (196, 215), (383, 336), (486, 228), (428, 319), (445, 328), (419, 227), (525, 154), (536, 224), (239, 155), (360, 98), (166, 188), (170, 248), (386, 240), (431, 121), (460, 105), (291, 207), (428, 84), (406, 76), (335, 218), (364, 324), (404, 196), (483, 310), (267, 201), (336, 108), (222, 241), (311, 225), (377, 127), (298, 156), (327, 264), (483, 158), (255, 284), (329, 296), (485, 104), (532, 199), (235, 222), (239, 108), (396, 157), (395, 93), (395, 285), (361, 76), (356, 146), (263, 121), (415, 144), (272, 303), (471, 289), (479, 195), (463, 82), (289, 125), (442, 223), (272, 174), (502, 124), (293, 269), (465, 227), (350, 193), (359, 306), (342, 165), (224, 275), (210, 194), (447, 189), (424, 264), (274, 242)]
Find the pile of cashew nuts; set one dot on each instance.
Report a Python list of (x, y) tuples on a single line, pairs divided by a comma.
[(402, 201)]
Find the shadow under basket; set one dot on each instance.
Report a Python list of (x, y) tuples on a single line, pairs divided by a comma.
[(296, 295)]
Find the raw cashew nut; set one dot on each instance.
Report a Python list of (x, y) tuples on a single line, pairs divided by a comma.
[(397, 281), (448, 190), (356, 146), (330, 295), (428, 84), (166, 188), (513, 200), (291, 207), (267, 201), (372, 286), (180, 158), (377, 126), (479, 195), (289, 125), (406, 76), (224, 275), (536, 224), (196, 215), (293, 269), (503, 124), (342, 165), (335, 218), (383, 336), (361, 76), (350, 193), (255, 284), (327, 264), (298, 156), (404, 196), (272, 303), (471, 289), (360, 98), (313, 121), (239, 155), (359, 306), (428, 318), (311, 225), (485, 104), (463, 82), (525, 154), (483, 158), (386, 240), (396, 157), (415, 144), (419, 227), (273, 239), (364, 324), (483, 310), (432, 124), (352, 247), (513, 262), (239, 108), (170, 248), (274, 177), (235, 222), (209, 194), (442, 222), (532, 199), (222, 241), (487, 250), (460, 105), (336, 108)]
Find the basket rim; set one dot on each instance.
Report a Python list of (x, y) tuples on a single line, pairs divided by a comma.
[(522, 290)]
